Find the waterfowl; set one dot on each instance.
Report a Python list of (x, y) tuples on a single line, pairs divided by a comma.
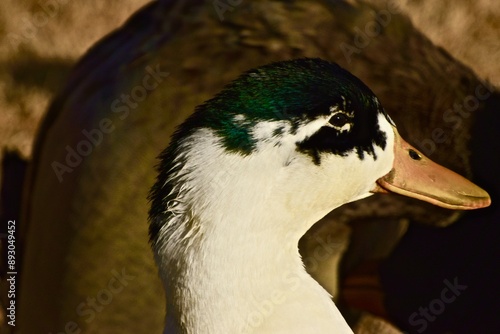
[(251, 171), (96, 217)]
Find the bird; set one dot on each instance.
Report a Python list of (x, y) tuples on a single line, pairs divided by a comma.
[(100, 207), (254, 168)]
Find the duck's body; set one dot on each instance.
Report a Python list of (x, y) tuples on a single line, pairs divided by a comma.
[(247, 175)]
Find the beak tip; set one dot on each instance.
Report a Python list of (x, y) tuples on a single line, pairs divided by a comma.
[(478, 198), (484, 202)]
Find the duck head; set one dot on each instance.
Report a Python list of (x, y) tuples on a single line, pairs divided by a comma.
[(256, 166), (319, 123)]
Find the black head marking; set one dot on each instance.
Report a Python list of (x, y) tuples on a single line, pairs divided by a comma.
[(353, 126), (295, 91)]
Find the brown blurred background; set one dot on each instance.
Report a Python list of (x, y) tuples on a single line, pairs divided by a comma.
[(41, 40)]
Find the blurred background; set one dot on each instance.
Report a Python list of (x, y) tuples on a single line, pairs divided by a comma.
[(40, 41)]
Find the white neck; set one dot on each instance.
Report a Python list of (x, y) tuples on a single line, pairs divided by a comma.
[(246, 282)]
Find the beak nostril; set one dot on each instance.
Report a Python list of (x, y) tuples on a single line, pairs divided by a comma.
[(414, 155)]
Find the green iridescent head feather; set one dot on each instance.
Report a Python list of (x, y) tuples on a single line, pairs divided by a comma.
[(294, 91)]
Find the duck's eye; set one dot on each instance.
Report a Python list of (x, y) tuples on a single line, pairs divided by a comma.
[(340, 121)]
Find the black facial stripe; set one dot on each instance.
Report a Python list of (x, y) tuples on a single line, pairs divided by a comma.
[(362, 139), (325, 140)]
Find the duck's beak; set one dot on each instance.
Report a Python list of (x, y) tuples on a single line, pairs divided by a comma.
[(415, 175)]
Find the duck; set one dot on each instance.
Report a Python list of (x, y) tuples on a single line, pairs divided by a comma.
[(251, 171), (100, 206)]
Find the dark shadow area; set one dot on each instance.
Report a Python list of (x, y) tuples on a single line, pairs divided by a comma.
[(446, 280), (32, 71), (13, 171)]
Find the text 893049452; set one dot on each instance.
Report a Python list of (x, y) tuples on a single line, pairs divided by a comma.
[(11, 272)]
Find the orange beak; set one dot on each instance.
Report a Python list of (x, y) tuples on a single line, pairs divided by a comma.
[(415, 175)]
